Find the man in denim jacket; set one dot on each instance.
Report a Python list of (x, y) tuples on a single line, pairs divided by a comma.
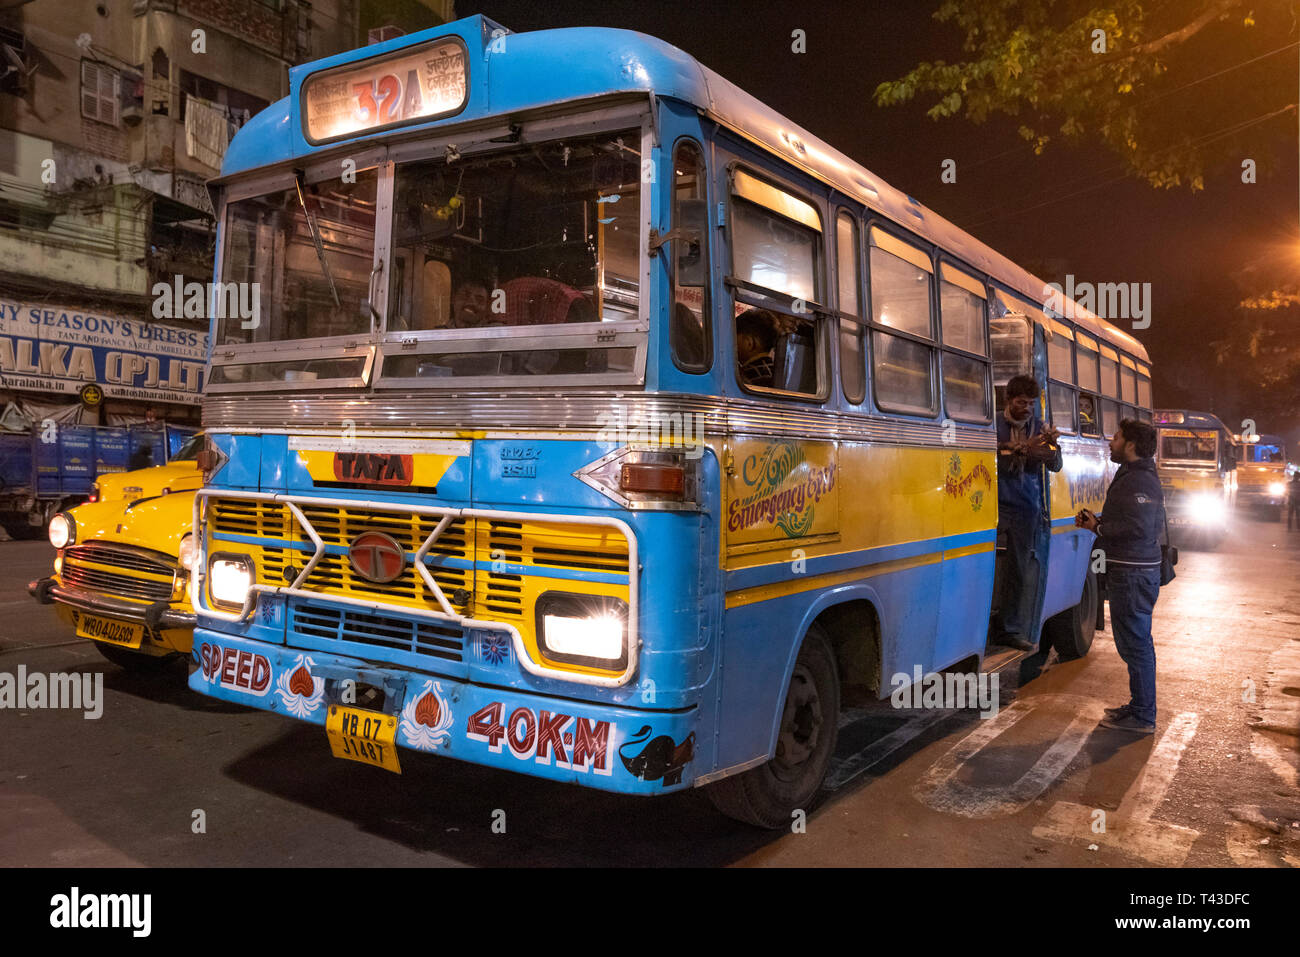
[(1128, 534), (1025, 447)]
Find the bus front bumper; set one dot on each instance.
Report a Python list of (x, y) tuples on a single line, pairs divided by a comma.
[(606, 747)]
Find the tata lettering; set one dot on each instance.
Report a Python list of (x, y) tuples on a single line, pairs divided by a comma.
[(371, 469)]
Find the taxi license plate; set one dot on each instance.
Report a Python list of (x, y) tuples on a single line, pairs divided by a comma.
[(123, 633), (365, 736)]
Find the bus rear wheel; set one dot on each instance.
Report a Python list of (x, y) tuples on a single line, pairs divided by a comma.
[(769, 795), (1071, 631)]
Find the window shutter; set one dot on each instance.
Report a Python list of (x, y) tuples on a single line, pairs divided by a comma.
[(89, 90)]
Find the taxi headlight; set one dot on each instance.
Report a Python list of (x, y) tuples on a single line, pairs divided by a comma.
[(63, 530), (229, 579), (185, 554), (1276, 488), (588, 630)]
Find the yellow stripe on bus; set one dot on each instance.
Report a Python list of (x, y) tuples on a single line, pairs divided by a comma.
[(757, 593)]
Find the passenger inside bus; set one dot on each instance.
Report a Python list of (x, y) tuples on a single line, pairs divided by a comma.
[(1087, 416), (756, 332)]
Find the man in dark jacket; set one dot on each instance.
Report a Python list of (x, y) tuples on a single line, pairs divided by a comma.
[(1025, 447), (1128, 534)]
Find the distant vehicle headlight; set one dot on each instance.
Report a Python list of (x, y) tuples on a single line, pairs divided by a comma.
[(186, 552), (229, 579), (63, 530), (1276, 488)]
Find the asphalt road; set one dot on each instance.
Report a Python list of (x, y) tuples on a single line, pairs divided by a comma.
[(1040, 784)]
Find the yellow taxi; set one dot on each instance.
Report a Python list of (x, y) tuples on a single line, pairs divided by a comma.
[(180, 474), (121, 576)]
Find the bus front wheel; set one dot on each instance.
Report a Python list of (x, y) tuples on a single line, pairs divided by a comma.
[(770, 795), (1071, 631)]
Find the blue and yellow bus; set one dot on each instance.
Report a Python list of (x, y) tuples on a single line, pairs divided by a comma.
[(603, 425), (1196, 457)]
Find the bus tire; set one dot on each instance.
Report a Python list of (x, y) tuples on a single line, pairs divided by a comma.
[(134, 661), (1071, 632), (769, 795)]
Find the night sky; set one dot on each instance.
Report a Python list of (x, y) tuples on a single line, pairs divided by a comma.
[(1070, 210)]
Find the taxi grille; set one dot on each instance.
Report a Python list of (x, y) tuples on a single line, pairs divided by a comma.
[(118, 571)]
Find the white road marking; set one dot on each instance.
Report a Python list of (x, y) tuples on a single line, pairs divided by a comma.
[(940, 789), (1130, 830), (845, 770)]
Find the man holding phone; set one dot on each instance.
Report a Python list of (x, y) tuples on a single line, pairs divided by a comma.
[(1128, 536)]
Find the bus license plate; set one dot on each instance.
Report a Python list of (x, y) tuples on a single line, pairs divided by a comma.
[(365, 736), (123, 633)]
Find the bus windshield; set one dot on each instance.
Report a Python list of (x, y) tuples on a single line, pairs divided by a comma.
[(484, 250), (1188, 446), (1264, 453), (543, 235)]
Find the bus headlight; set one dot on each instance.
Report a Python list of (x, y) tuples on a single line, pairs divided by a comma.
[(589, 630), (185, 554), (1208, 509), (229, 579), (63, 530), (1276, 489)]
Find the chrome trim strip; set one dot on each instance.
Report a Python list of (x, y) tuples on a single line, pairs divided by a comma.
[(447, 515), (578, 412), (116, 608)]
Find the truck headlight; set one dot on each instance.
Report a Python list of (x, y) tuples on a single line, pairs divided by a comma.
[(63, 530), (185, 553), (589, 630), (1276, 489), (229, 579)]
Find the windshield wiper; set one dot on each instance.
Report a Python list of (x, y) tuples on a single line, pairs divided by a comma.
[(315, 238)]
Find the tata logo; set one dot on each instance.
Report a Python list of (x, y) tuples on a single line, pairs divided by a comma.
[(376, 557), (371, 469)]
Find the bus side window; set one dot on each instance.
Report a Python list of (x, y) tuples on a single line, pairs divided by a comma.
[(902, 336), (853, 370), (1060, 401), (690, 333)]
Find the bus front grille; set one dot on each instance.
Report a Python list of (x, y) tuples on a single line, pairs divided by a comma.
[(434, 639)]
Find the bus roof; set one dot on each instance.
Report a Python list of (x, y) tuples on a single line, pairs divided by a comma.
[(521, 71), (1183, 418)]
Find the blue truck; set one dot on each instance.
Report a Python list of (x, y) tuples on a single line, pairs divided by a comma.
[(47, 470)]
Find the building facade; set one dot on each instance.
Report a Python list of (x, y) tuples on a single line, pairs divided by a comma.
[(113, 114)]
